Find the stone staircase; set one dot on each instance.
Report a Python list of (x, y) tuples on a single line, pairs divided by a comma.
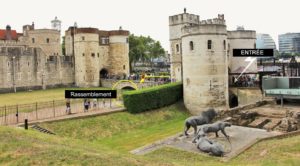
[(40, 129)]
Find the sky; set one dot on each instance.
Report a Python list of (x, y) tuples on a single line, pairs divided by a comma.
[(150, 17)]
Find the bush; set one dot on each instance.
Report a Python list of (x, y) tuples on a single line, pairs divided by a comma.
[(152, 98)]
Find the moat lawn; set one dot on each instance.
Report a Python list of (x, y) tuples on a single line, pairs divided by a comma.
[(107, 140), (26, 97)]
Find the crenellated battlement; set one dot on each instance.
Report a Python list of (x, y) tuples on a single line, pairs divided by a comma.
[(218, 20), (184, 18)]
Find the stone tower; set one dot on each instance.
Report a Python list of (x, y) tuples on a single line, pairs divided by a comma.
[(56, 24), (241, 39), (97, 54), (203, 48), (205, 65), (118, 53), (176, 23)]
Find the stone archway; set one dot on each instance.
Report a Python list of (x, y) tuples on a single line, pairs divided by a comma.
[(103, 73), (233, 101), (128, 88)]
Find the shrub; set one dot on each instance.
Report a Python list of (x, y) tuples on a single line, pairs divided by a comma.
[(153, 97)]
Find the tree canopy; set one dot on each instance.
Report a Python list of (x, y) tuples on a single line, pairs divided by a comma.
[(144, 48)]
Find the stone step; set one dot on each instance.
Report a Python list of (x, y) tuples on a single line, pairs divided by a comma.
[(272, 124), (259, 122)]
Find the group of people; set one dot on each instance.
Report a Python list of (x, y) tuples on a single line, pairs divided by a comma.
[(86, 103), (246, 81)]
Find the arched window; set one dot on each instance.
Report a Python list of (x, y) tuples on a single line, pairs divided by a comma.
[(209, 44), (191, 45), (224, 44)]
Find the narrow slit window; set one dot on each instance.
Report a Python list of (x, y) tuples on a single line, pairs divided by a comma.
[(191, 45)]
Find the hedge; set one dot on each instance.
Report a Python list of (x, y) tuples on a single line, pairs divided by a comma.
[(153, 97)]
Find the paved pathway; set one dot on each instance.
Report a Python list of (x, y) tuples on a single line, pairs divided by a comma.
[(58, 112), (77, 115)]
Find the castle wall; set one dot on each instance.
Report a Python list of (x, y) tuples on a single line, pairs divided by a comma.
[(205, 77), (31, 69)]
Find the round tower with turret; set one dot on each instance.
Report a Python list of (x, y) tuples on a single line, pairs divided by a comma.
[(200, 48), (87, 59)]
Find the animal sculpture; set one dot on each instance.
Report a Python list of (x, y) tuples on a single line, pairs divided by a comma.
[(193, 121)]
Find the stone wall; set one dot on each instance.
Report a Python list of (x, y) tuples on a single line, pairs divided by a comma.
[(247, 95), (30, 69)]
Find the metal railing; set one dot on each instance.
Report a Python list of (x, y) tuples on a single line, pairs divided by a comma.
[(14, 114)]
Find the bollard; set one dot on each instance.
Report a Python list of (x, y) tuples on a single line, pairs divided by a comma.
[(5, 118), (26, 124), (17, 113)]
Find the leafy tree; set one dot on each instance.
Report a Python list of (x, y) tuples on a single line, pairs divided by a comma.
[(143, 48)]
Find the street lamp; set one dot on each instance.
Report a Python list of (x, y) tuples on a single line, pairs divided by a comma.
[(14, 78)]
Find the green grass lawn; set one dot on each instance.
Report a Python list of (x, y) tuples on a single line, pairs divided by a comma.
[(26, 97), (122, 130), (107, 140)]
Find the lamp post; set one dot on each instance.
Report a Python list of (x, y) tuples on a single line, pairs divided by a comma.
[(14, 78)]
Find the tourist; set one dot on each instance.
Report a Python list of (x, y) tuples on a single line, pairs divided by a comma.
[(86, 105), (95, 103), (103, 102), (68, 105)]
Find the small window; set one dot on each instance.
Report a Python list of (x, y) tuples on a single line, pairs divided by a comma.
[(82, 38), (47, 40), (98, 55), (124, 67), (254, 45), (93, 54), (224, 44), (104, 40), (127, 40), (191, 45), (8, 64), (28, 63), (177, 48), (209, 44), (82, 54), (33, 40)]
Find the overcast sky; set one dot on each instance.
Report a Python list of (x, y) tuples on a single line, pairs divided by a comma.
[(150, 17)]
